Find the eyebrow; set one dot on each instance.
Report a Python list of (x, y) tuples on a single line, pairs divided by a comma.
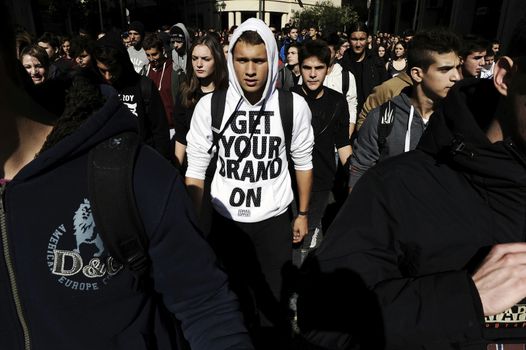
[(253, 59), (306, 66), (448, 67)]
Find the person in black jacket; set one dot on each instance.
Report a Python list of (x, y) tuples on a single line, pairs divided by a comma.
[(367, 68), (137, 92), (428, 251), (59, 287), (330, 123)]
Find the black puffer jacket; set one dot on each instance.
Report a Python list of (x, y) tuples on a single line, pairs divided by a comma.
[(373, 73), (401, 252)]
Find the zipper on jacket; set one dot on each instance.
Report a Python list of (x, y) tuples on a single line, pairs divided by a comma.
[(11, 271)]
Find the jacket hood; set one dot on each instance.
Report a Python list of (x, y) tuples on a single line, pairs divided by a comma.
[(111, 119), (186, 35), (272, 55), (403, 101), (456, 135)]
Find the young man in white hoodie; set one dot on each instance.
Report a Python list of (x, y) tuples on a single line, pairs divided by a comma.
[(251, 189)]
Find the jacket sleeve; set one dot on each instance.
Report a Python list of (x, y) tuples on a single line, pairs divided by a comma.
[(379, 95), (341, 137), (199, 139), (352, 99), (184, 268), (363, 249), (302, 141), (159, 124), (179, 121), (365, 151)]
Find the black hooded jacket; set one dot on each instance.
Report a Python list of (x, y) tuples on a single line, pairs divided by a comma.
[(138, 93), (405, 244), (370, 72), (70, 294)]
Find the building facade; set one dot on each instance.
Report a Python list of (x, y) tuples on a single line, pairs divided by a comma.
[(491, 19), (223, 14)]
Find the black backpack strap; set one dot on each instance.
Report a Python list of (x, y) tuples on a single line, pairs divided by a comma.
[(385, 125), (217, 109), (286, 112), (146, 93), (345, 82), (110, 185)]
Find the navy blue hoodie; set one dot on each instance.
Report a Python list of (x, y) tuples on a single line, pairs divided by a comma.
[(72, 294)]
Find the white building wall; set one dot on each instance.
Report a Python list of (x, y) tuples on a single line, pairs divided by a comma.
[(235, 8)]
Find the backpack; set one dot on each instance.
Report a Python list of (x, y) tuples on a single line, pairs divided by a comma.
[(385, 125), (110, 176)]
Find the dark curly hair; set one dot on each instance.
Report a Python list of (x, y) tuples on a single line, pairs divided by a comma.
[(82, 99)]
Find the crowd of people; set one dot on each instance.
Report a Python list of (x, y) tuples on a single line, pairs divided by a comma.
[(252, 139)]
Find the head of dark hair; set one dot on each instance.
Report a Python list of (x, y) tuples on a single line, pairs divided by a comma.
[(333, 39), (408, 32), (80, 44), (110, 51), (191, 86), (152, 41), (296, 45), (216, 35), (315, 48), (489, 52), (23, 40), (403, 44), (358, 27), (37, 52), (426, 43), (50, 39), (472, 43), (250, 37)]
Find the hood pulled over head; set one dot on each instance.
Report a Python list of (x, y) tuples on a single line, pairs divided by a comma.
[(253, 24), (180, 33)]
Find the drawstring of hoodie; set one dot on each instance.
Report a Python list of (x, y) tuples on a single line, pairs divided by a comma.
[(407, 144)]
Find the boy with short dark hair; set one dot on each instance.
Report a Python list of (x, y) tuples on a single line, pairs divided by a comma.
[(429, 248), (160, 70), (397, 125), (472, 54), (330, 122)]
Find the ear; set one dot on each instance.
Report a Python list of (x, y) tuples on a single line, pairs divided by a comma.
[(501, 74), (417, 74)]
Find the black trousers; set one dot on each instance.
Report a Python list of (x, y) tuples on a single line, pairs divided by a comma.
[(256, 257)]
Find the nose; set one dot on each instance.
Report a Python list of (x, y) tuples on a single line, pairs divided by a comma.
[(199, 63), (251, 69), (455, 76), (312, 73)]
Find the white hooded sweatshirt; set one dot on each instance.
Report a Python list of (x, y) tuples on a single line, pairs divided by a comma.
[(259, 186)]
